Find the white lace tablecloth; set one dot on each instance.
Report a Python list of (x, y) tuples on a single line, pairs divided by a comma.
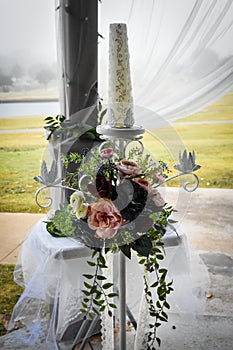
[(51, 269)]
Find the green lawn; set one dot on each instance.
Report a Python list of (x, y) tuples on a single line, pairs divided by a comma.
[(50, 94), (9, 294), (20, 156), (21, 123), (221, 110), (213, 145)]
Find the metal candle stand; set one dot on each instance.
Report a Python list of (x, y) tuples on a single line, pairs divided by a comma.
[(121, 132), (121, 138)]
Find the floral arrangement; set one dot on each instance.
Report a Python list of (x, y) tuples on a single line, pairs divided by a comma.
[(113, 205)]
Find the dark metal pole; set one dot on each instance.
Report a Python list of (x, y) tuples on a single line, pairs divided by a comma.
[(78, 58), (79, 36)]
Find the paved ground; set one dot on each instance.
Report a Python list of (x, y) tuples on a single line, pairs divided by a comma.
[(13, 230), (206, 216)]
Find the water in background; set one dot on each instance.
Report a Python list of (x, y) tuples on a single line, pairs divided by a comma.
[(20, 109)]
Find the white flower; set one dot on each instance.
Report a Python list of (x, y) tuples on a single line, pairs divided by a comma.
[(77, 204)]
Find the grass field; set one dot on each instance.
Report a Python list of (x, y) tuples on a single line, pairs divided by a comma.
[(213, 145), (21, 123), (20, 156), (21, 153), (9, 294), (221, 110), (49, 94)]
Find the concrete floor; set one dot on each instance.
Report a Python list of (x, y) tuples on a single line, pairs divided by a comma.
[(206, 217)]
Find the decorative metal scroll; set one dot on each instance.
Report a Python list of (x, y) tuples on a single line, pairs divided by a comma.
[(186, 166)]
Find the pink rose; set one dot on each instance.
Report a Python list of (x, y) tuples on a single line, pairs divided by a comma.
[(156, 197), (128, 169), (158, 178), (106, 152), (143, 183), (104, 217)]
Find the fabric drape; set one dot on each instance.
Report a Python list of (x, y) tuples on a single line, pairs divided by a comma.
[(181, 53)]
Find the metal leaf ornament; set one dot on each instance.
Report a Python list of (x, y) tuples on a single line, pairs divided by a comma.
[(48, 178), (187, 163)]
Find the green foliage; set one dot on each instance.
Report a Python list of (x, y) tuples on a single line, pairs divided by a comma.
[(62, 223), (53, 123), (150, 249), (143, 245), (148, 164), (72, 178), (75, 158), (97, 293), (159, 286)]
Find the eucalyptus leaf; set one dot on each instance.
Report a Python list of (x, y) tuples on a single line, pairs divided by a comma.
[(101, 278), (126, 250), (112, 306), (102, 308), (88, 276), (107, 285), (142, 245)]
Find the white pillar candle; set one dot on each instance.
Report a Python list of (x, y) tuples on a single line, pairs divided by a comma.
[(120, 112)]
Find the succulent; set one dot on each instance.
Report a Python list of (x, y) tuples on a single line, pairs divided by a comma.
[(187, 162)]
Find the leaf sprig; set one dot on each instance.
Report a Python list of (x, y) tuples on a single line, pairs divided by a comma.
[(62, 223), (97, 296), (148, 165), (160, 286), (53, 123)]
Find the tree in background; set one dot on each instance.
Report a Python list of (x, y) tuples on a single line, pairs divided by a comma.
[(5, 82), (17, 71), (44, 76)]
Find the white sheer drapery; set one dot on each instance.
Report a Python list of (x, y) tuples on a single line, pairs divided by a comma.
[(181, 52), (51, 270)]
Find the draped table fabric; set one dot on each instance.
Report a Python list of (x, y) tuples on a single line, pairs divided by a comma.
[(51, 271)]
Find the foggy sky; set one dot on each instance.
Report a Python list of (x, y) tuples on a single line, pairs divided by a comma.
[(27, 30)]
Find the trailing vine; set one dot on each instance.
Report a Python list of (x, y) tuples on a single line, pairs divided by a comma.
[(156, 307), (156, 287), (96, 295)]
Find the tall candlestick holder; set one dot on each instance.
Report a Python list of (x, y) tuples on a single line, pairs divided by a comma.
[(121, 132), (120, 136)]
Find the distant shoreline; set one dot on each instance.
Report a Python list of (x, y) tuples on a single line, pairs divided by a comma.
[(29, 100)]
